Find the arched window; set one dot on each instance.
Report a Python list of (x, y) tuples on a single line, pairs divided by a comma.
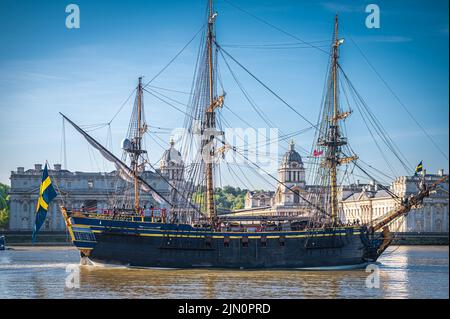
[(419, 226), (438, 226)]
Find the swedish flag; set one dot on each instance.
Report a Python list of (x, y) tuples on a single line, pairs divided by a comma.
[(46, 194), (419, 168)]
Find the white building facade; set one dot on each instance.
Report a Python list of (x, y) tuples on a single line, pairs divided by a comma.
[(372, 203)]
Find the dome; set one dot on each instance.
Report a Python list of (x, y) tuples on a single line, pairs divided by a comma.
[(171, 156), (291, 156)]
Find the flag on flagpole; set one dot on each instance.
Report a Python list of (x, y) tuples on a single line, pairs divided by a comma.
[(419, 168), (46, 194), (317, 153)]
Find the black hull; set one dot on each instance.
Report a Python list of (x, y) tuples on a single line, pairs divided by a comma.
[(138, 251), (139, 243)]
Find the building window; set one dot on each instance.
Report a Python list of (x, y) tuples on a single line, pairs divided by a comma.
[(296, 196), (419, 226), (438, 227), (90, 184)]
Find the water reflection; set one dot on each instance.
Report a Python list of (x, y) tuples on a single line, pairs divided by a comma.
[(405, 272)]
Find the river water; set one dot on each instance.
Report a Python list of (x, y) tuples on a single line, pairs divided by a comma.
[(54, 272)]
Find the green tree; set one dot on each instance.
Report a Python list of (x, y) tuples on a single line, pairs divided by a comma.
[(227, 198), (4, 205)]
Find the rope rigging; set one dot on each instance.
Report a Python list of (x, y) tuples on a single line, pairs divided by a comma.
[(395, 95), (264, 85), (277, 28)]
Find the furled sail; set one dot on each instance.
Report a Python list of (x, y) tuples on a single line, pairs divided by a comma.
[(125, 172)]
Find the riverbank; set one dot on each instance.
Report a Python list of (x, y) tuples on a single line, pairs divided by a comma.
[(415, 238), (15, 238), (63, 239)]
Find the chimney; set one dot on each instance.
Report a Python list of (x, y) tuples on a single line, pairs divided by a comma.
[(37, 167), (441, 172), (20, 170), (57, 167)]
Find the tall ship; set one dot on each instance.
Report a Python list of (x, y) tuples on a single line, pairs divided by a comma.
[(185, 228)]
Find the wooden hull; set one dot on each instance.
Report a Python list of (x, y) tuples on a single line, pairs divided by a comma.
[(144, 244)]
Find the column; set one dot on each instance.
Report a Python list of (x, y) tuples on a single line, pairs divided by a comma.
[(31, 213), (432, 218), (445, 217)]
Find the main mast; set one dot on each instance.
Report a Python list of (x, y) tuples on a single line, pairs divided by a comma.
[(210, 122), (335, 134)]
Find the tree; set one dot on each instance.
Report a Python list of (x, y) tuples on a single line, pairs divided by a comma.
[(4, 205), (227, 198)]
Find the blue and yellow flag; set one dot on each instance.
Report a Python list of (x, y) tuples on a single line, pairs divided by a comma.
[(46, 194), (419, 168)]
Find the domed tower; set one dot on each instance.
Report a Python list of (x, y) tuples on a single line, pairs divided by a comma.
[(291, 173), (172, 166)]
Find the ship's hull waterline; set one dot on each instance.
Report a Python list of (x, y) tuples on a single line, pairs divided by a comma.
[(159, 245)]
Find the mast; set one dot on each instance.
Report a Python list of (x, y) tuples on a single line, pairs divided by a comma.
[(210, 119), (334, 156), (137, 149), (332, 139)]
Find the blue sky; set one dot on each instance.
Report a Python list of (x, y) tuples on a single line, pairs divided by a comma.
[(87, 73)]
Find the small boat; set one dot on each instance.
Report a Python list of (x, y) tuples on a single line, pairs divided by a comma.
[(2, 242)]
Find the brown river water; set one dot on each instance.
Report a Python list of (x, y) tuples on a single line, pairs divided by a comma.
[(54, 272)]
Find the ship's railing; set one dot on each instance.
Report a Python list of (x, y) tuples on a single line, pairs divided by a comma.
[(148, 215), (160, 216)]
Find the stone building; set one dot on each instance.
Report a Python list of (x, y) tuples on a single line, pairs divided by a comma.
[(286, 200), (94, 191), (373, 202), (291, 174), (259, 199), (363, 202)]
